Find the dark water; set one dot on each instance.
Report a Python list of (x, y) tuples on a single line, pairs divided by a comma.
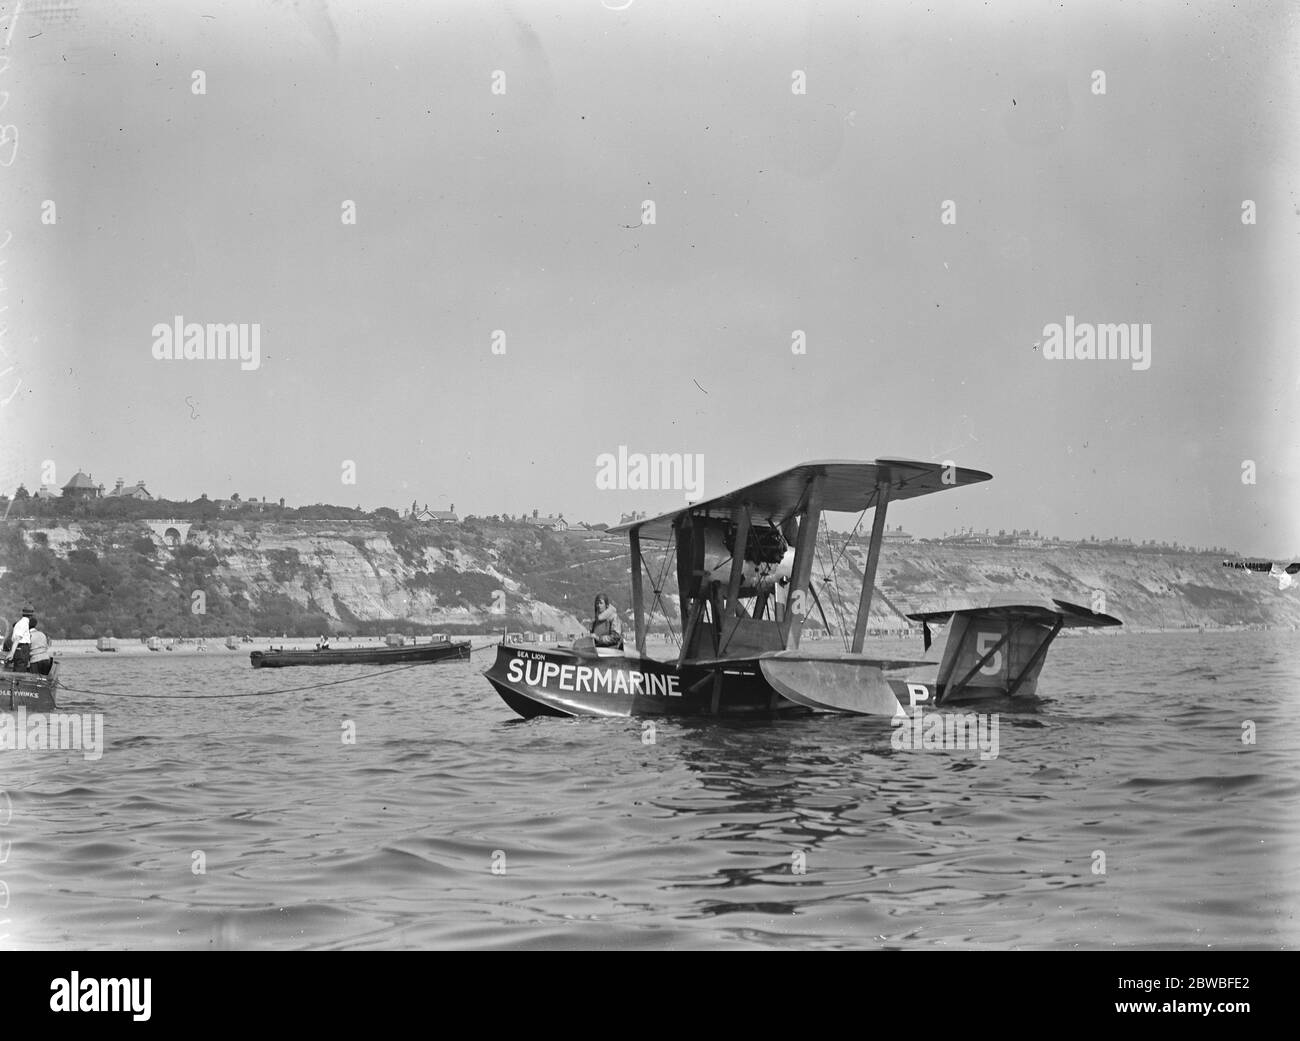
[(1135, 750)]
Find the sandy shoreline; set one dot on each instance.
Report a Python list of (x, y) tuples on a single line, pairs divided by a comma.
[(216, 646)]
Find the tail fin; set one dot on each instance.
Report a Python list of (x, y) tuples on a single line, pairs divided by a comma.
[(997, 650)]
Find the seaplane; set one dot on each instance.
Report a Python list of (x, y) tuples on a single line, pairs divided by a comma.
[(744, 569), (1284, 573)]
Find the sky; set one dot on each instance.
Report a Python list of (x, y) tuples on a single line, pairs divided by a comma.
[(951, 179)]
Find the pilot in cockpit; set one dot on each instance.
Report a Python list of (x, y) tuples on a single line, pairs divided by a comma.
[(604, 623)]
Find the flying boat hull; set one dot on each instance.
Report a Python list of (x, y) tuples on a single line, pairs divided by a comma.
[(562, 682)]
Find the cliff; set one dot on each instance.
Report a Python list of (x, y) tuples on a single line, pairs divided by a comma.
[(305, 577)]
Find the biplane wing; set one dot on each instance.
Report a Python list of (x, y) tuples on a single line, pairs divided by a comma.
[(727, 548), (1282, 572), (846, 487)]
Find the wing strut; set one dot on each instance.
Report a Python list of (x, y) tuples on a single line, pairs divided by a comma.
[(638, 605), (805, 548), (873, 559), (741, 520)]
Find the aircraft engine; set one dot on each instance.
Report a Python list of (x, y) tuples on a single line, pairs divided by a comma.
[(769, 557)]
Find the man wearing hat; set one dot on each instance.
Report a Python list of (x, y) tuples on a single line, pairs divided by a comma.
[(20, 641)]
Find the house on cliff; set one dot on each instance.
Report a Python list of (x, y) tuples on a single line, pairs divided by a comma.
[(82, 486), (549, 523), (137, 491), (428, 516), (969, 538)]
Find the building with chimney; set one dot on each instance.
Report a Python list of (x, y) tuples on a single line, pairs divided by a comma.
[(137, 491), (428, 516), (82, 486)]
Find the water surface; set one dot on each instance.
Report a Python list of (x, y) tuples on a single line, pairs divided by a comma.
[(600, 839)]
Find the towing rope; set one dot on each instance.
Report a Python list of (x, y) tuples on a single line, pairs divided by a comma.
[(258, 693)]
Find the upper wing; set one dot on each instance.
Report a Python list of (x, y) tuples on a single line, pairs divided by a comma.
[(847, 487)]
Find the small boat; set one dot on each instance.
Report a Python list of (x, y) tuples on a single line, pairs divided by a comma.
[(29, 690), (745, 576), (427, 652)]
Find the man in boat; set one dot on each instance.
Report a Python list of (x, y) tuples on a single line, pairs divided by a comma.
[(41, 660), (18, 646), (604, 623)]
